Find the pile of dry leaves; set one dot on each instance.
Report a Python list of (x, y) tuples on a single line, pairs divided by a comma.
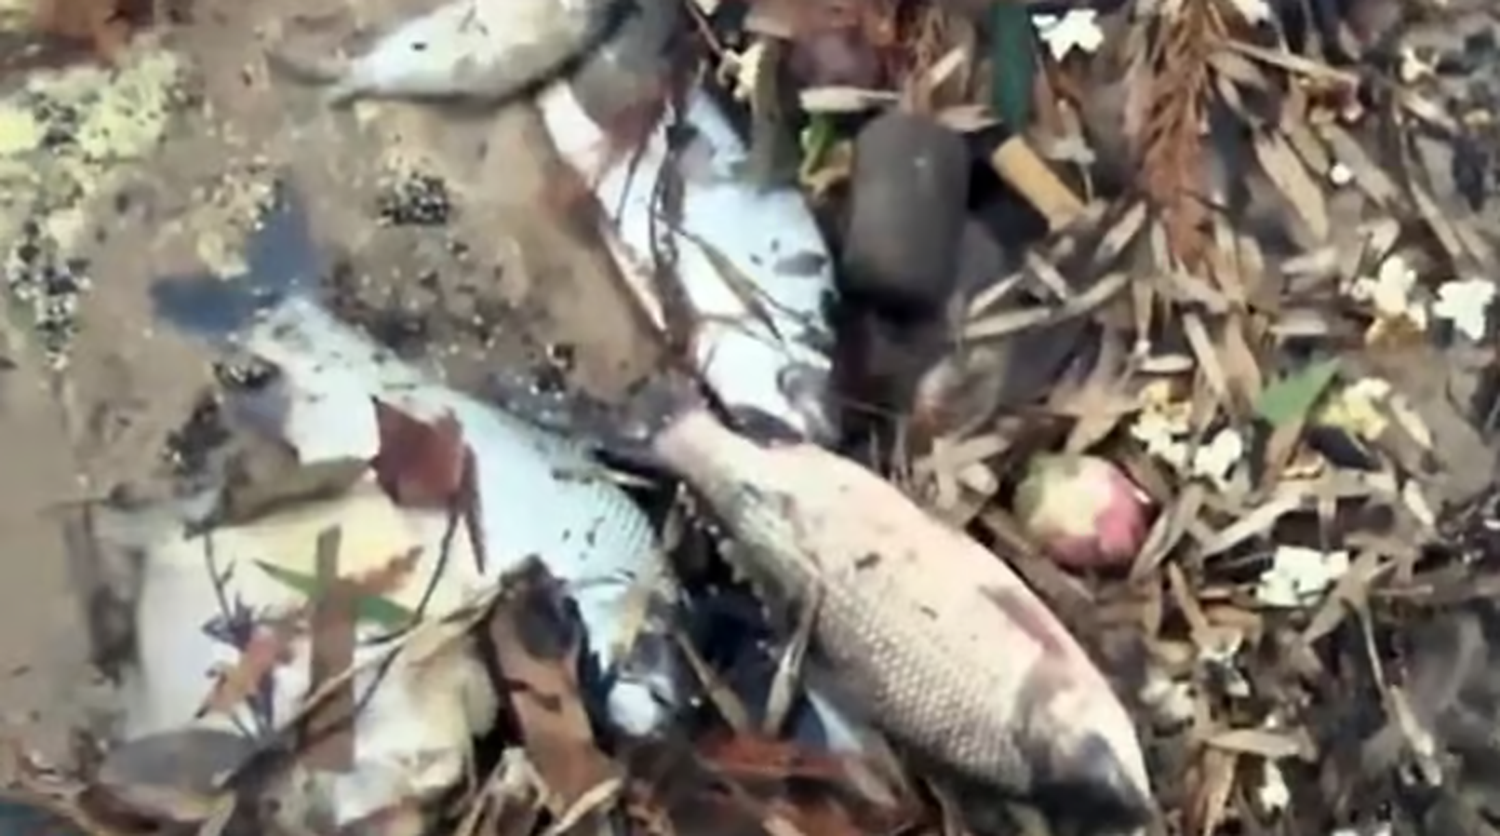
[(1262, 291)]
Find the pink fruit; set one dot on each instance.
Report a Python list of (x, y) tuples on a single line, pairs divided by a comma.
[(1083, 510)]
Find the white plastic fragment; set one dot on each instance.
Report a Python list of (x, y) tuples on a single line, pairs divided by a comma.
[(1298, 575), (1254, 11), (1170, 700), (1160, 433), (1215, 458), (1466, 303), (1273, 793), (1075, 29), (743, 70), (1340, 175), (1390, 292), (1164, 432)]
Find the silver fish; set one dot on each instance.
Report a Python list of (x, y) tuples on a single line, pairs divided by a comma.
[(929, 634), (478, 50), (751, 269)]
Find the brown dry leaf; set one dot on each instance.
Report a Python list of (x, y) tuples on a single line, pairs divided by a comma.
[(1170, 138), (818, 817), (1126, 229), (1352, 588), (1295, 63), (429, 465), (1303, 195), (268, 647), (419, 464), (1099, 402), (536, 649), (1315, 155), (1368, 175), (1170, 527), (1245, 376), (1255, 522), (753, 756), (1271, 744), (1211, 784), (1207, 355)]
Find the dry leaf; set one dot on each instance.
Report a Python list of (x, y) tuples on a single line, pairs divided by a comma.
[(268, 647), (419, 464), (536, 649), (1212, 784), (1286, 170), (1177, 86), (429, 465), (751, 756)]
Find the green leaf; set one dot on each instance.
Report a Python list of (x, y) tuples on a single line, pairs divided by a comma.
[(817, 137), (374, 608), (1013, 64), (1292, 397)]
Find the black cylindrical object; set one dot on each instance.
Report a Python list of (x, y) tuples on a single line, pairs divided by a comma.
[(908, 196)]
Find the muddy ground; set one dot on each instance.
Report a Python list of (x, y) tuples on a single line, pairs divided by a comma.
[(496, 278)]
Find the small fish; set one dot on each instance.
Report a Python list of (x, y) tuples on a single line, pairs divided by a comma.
[(474, 50), (750, 263), (929, 634)]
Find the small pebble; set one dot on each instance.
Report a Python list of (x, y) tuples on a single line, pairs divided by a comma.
[(419, 200)]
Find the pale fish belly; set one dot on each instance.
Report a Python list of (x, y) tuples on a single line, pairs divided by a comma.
[(539, 493), (943, 646)]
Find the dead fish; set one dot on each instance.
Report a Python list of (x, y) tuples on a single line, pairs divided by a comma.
[(592, 535), (928, 633), (476, 50), (752, 275)]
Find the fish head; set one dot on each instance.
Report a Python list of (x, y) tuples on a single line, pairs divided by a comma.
[(1082, 751)]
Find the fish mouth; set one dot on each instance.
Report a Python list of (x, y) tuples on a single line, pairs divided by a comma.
[(1094, 781)]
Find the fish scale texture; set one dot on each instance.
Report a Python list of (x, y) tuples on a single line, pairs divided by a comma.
[(940, 643)]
